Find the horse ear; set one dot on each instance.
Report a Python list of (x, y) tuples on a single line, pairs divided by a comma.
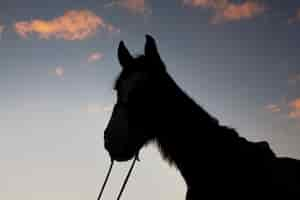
[(125, 58), (151, 49)]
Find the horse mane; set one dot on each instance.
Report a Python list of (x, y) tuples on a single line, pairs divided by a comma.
[(194, 118), (197, 114)]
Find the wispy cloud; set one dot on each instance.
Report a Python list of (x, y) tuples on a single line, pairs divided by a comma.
[(58, 71), (237, 12), (227, 11), (295, 18), (1, 30), (93, 57), (294, 79), (108, 108), (96, 108), (295, 109), (73, 25), (273, 108), (134, 6), (206, 3)]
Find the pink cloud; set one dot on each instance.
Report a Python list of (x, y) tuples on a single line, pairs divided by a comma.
[(273, 108), (294, 79), (96, 108), (202, 3), (295, 109), (214, 4), (237, 12), (1, 28), (58, 72), (93, 108), (73, 25), (226, 11), (134, 6), (93, 57), (296, 18)]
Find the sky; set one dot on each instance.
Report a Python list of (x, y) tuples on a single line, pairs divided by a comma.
[(238, 59)]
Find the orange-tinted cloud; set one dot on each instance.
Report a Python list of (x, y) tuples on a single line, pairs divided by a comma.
[(237, 12), (1, 30), (96, 108), (58, 72), (226, 11), (295, 109), (296, 18), (134, 6), (73, 25), (93, 108), (216, 4), (294, 79), (273, 108), (93, 57)]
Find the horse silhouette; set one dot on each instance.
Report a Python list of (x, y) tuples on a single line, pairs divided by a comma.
[(213, 159)]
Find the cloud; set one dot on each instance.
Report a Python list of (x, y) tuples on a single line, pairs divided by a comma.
[(134, 6), (296, 18), (1, 30), (58, 72), (93, 108), (206, 3), (237, 12), (295, 109), (96, 108), (93, 57), (273, 108), (226, 11), (108, 108), (73, 25), (294, 79)]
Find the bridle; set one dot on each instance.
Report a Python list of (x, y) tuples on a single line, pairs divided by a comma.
[(136, 158), (125, 180)]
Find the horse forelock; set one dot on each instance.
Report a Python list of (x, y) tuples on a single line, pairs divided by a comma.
[(137, 65)]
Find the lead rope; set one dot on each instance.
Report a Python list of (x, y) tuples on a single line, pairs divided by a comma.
[(125, 181), (106, 179), (127, 177)]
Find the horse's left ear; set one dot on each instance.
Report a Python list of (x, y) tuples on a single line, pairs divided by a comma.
[(125, 58), (151, 49)]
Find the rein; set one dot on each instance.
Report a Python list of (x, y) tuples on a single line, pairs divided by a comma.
[(125, 180)]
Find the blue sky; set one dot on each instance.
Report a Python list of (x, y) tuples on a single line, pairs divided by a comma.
[(238, 59)]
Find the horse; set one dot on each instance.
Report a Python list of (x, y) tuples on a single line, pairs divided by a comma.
[(214, 160)]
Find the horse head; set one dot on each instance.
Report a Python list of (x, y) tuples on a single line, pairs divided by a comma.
[(132, 121)]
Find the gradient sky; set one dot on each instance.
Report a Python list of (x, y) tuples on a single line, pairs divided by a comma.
[(238, 59)]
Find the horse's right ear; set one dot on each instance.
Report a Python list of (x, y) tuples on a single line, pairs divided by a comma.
[(151, 49), (124, 55)]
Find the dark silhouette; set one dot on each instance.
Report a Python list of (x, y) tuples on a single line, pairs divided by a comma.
[(214, 160)]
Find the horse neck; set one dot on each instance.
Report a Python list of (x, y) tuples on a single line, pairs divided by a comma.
[(180, 111), (183, 123)]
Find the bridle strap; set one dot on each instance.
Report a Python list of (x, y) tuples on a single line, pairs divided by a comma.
[(127, 177), (125, 180), (106, 179)]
